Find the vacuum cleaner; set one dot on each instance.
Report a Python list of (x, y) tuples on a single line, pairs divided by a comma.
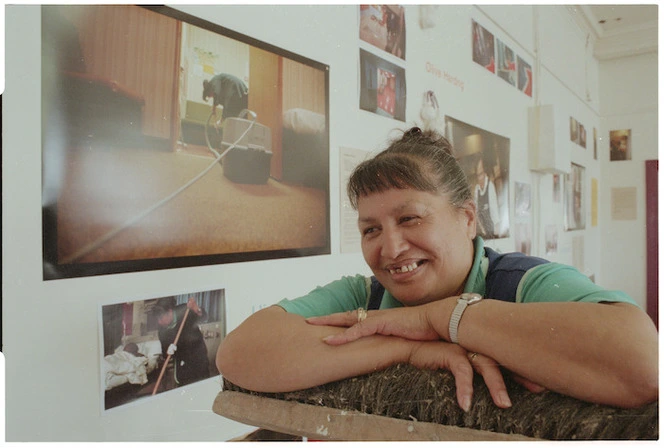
[(248, 161)]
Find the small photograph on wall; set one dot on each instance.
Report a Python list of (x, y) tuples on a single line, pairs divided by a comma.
[(349, 237), (382, 86), (160, 344), (522, 237), (483, 47), (594, 201), (384, 26), (506, 68), (582, 135), (522, 224), (577, 132), (574, 134), (595, 143), (621, 145), (579, 252), (551, 239), (556, 188), (525, 76), (484, 157), (521, 199), (623, 204), (574, 201), (167, 145)]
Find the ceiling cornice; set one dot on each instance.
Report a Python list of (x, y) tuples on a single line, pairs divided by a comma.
[(630, 43), (587, 20), (610, 45)]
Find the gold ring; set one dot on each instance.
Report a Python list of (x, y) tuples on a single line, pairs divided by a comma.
[(472, 356), (361, 314)]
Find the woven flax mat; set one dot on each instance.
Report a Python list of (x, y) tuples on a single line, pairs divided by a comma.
[(406, 392)]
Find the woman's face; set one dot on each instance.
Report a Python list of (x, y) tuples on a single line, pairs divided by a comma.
[(165, 319), (417, 244)]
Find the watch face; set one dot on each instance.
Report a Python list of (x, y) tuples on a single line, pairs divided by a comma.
[(471, 297)]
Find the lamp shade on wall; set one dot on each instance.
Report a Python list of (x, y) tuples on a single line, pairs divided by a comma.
[(545, 156)]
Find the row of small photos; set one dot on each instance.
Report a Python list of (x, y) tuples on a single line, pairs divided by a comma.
[(492, 54), (577, 132)]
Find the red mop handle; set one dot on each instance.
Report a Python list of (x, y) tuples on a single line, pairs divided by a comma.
[(168, 358)]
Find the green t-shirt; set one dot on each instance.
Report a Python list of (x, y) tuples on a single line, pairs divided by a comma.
[(549, 282)]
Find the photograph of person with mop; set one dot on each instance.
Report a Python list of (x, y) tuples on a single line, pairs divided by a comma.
[(182, 340)]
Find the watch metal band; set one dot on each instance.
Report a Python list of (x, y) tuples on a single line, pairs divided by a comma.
[(465, 299)]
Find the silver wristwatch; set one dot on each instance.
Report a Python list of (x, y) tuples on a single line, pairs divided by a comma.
[(465, 299)]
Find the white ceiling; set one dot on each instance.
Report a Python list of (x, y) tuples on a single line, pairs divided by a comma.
[(621, 30), (620, 18)]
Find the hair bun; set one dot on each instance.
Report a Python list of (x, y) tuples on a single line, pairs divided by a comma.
[(428, 137), (413, 132)]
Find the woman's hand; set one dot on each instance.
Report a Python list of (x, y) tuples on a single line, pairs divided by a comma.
[(408, 323), (193, 306), (452, 357), (493, 378), (428, 353)]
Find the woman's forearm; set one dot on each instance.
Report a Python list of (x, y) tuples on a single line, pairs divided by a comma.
[(276, 351), (604, 353)]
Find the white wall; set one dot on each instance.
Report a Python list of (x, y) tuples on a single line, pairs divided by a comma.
[(50, 329), (628, 87)]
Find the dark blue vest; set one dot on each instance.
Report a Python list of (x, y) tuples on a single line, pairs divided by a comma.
[(502, 279)]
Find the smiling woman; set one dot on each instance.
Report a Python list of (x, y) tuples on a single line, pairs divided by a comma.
[(440, 299), (407, 234)]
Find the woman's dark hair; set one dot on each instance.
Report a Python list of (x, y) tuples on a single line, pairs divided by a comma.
[(422, 160)]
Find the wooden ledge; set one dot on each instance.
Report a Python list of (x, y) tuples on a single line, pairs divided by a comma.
[(324, 423)]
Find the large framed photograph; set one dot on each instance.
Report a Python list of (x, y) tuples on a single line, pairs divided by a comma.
[(485, 158), (574, 198), (159, 344), (170, 141)]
